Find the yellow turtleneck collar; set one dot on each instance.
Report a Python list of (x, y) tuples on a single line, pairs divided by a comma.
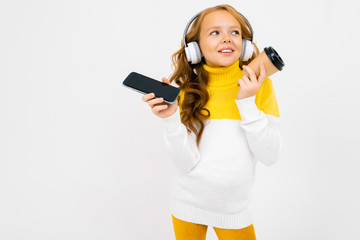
[(222, 76)]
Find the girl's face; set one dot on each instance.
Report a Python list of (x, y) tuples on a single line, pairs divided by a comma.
[(220, 39)]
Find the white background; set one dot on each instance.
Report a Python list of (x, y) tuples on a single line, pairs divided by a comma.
[(82, 157)]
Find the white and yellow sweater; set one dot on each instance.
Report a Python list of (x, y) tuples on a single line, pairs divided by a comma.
[(215, 181)]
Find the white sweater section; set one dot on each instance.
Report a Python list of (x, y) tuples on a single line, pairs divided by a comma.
[(214, 182)]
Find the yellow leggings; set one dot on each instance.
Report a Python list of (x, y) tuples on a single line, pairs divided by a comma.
[(193, 231)]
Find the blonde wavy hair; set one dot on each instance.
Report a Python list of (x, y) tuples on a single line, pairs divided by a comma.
[(192, 79)]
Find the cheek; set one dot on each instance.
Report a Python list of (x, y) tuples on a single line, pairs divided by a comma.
[(203, 48), (239, 44), (208, 46)]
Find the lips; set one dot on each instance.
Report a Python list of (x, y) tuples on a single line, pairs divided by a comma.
[(226, 50)]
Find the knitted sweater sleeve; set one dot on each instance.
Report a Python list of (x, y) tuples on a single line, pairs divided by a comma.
[(181, 144), (262, 131)]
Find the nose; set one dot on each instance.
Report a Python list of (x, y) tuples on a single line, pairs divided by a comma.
[(226, 38)]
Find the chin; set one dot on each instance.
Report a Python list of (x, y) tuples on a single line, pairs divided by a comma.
[(227, 62), (222, 62)]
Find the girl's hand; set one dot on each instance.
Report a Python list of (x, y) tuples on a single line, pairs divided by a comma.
[(249, 86), (158, 106)]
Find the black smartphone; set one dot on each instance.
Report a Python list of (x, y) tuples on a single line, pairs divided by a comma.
[(145, 85)]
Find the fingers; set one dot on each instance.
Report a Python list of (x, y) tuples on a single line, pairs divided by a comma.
[(156, 106), (246, 80), (147, 97), (159, 108), (155, 101), (152, 101), (251, 73), (165, 80)]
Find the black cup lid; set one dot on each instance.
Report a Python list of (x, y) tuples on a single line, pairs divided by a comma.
[(274, 57)]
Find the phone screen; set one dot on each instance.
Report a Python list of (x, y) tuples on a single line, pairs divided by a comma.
[(147, 85)]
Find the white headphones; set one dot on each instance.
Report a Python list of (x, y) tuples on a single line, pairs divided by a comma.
[(192, 49)]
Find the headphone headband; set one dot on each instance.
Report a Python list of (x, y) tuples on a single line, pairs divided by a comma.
[(188, 25)]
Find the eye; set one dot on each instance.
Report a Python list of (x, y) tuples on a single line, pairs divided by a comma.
[(214, 33), (235, 32)]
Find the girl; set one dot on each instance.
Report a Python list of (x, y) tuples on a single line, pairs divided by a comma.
[(222, 123)]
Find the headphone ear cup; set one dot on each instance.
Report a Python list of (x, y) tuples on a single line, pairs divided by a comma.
[(247, 50), (193, 53)]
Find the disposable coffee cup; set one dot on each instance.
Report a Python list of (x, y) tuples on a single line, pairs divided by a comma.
[(271, 60)]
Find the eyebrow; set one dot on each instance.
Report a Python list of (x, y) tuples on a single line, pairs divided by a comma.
[(216, 27)]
